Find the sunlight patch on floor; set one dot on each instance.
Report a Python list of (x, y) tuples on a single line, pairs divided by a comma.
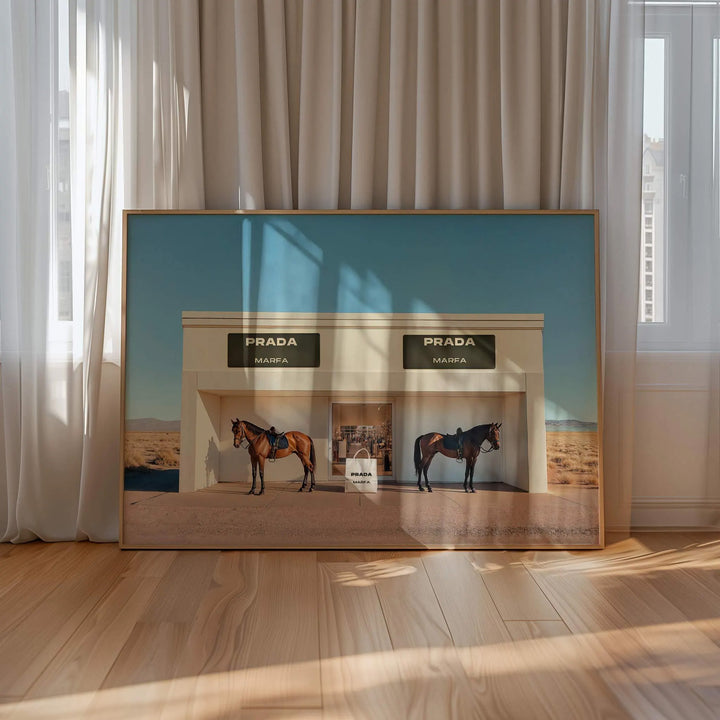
[(364, 574), (623, 657)]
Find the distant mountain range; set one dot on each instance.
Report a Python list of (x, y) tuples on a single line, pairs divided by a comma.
[(152, 425), (155, 425), (570, 426)]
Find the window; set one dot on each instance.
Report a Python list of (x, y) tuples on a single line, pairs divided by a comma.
[(49, 136), (61, 250), (681, 149), (651, 281)]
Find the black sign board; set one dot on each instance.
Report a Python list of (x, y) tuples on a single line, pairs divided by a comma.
[(274, 350), (448, 352)]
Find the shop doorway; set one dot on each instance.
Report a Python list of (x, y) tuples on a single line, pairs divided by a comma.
[(358, 426)]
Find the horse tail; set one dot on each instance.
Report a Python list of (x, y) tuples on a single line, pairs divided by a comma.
[(418, 457), (312, 453)]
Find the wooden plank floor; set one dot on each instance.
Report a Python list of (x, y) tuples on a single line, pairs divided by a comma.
[(632, 631)]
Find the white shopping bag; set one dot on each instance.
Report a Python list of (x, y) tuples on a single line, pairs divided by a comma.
[(361, 473)]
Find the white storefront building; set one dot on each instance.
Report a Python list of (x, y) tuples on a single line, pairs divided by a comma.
[(361, 360)]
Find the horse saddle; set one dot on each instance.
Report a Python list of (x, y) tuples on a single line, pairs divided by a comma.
[(450, 442), (277, 441)]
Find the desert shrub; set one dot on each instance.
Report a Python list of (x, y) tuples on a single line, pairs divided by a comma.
[(166, 458), (134, 459)]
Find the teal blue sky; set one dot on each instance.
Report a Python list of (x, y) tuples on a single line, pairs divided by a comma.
[(360, 263)]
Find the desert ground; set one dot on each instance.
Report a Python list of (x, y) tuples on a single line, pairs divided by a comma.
[(496, 515), (572, 458), (399, 516), (152, 450)]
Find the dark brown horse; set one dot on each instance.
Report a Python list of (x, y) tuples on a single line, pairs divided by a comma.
[(260, 447), (428, 445)]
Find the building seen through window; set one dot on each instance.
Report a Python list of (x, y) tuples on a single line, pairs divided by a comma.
[(652, 264), (63, 230)]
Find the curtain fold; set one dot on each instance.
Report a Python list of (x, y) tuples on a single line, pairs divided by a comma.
[(110, 120), (618, 147)]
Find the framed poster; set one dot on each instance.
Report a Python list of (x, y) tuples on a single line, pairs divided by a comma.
[(361, 380)]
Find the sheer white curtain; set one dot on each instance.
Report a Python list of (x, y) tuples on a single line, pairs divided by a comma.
[(316, 104), (403, 104), (100, 111)]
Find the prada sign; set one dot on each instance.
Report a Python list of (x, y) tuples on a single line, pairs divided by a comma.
[(449, 352), (274, 350)]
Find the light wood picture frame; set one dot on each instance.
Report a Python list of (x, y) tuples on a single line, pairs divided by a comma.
[(242, 330)]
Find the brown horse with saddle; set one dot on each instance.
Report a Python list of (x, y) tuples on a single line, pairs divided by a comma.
[(263, 444), (460, 445)]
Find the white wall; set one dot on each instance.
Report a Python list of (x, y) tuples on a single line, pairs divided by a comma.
[(308, 414), (676, 474), (412, 416), (423, 414)]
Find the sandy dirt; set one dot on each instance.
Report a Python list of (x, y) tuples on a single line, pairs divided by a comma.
[(572, 458), (497, 515), (152, 450), (398, 516)]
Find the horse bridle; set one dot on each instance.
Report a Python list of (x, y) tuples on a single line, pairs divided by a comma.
[(490, 449), (243, 437)]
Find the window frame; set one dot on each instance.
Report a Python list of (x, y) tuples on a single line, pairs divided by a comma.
[(691, 35)]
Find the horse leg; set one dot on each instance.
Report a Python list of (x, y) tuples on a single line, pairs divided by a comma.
[(305, 470), (253, 461), (467, 474), (311, 464), (425, 471), (308, 469), (472, 473), (261, 461)]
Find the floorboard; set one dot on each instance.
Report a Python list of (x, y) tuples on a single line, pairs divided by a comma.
[(625, 656), (360, 673), (535, 629), (31, 643), (510, 677), (513, 589), (255, 638), (430, 667)]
